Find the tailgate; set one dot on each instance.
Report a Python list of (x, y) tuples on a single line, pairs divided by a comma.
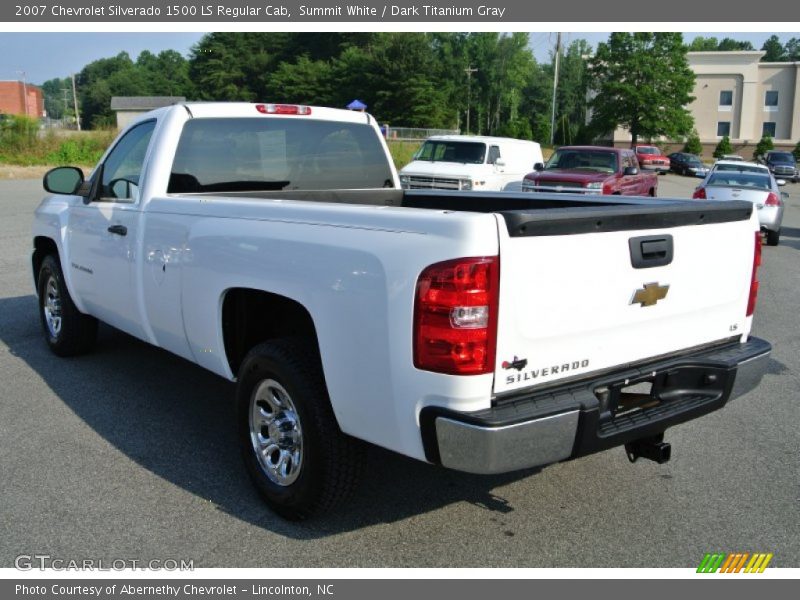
[(573, 303)]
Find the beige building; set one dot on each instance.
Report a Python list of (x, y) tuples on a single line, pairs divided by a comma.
[(129, 108), (738, 96)]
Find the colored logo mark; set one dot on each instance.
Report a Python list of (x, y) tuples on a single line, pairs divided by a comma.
[(734, 562)]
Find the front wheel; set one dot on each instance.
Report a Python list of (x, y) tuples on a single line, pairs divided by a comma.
[(67, 330), (296, 455)]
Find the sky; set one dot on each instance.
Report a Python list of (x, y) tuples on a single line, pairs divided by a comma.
[(43, 56)]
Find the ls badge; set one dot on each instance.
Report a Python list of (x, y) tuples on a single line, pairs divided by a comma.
[(649, 294)]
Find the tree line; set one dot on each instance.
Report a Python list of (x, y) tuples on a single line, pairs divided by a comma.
[(638, 80), (406, 79)]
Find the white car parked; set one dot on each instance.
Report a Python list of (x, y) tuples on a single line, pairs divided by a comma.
[(464, 162)]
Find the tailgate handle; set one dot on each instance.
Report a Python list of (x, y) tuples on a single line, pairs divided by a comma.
[(650, 251)]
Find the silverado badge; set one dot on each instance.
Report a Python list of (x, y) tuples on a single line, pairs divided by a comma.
[(649, 294)]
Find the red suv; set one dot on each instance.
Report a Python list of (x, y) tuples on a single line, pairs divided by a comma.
[(650, 157)]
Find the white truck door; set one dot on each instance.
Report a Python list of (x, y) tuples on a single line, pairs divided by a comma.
[(103, 232)]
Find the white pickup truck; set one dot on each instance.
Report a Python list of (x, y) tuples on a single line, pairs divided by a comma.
[(272, 245)]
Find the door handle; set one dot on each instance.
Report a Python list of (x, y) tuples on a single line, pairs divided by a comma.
[(118, 229)]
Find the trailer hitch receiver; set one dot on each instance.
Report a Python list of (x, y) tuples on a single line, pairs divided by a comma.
[(652, 448)]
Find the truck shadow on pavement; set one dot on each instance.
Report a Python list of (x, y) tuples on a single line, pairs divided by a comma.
[(177, 420)]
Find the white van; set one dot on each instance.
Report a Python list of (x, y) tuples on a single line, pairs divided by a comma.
[(470, 162)]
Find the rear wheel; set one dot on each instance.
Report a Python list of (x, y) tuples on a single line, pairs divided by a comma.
[(296, 455), (67, 330), (773, 237)]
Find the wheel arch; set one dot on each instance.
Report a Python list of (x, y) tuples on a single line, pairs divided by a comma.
[(42, 247), (251, 316)]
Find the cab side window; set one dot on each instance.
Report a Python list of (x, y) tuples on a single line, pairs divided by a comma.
[(123, 165)]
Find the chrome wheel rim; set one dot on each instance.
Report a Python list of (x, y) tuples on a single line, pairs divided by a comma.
[(52, 307), (275, 433)]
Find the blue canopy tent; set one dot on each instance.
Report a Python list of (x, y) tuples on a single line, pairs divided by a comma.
[(356, 105)]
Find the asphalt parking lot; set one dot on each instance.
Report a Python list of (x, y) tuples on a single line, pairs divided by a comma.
[(129, 453)]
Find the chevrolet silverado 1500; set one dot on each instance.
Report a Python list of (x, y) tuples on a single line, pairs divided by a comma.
[(272, 245)]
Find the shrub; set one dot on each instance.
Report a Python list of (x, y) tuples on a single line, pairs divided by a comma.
[(18, 133), (693, 145), (724, 147), (796, 151), (764, 145)]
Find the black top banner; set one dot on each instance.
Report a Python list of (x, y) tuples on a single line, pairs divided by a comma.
[(371, 11)]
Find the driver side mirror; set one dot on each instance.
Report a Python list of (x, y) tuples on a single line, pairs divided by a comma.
[(631, 171), (538, 166), (499, 163), (63, 180), (780, 181)]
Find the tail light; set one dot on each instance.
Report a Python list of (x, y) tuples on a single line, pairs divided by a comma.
[(455, 316), (751, 302), (699, 194), (283, 109), (772, 200)]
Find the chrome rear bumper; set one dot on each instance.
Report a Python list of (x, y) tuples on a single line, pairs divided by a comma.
[(569, 422)]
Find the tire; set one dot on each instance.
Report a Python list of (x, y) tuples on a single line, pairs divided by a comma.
[(297, 457), (652, 192), (773, 237), (67, 330)]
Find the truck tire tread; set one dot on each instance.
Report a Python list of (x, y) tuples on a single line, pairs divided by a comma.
[(332, 461), (78, 332)]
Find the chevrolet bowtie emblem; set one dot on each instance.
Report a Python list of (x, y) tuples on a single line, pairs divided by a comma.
[(650, 294)]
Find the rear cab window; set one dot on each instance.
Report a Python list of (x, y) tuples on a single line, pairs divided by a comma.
[(257, 154)]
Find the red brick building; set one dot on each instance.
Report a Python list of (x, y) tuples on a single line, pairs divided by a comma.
[(13, 101)]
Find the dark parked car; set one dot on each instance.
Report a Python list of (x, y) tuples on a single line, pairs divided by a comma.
[(782, 165), (684, 163)]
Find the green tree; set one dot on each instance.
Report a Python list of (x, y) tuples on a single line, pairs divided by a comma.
[(724, 147), (644, 83), (793, 49), (775, 52), (764, 145), (728, 44), (796, 151), (693, 145), (704, 44), (572, 92)]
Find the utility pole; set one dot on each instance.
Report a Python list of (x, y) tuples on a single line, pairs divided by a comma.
[(555, 87), (24, 92), (469, 71), (75, 102), (64, 109)]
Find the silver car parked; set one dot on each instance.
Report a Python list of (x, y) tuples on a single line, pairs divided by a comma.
[(760, 188)]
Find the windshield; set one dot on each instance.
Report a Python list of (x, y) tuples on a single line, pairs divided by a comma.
[(741, 180), (258, 154), (647, 150), (741, 168), (450, 151), (782, 157), (600, 161)]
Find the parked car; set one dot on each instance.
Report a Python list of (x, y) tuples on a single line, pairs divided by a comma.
[(782, 165), (759, 188), (470, 162), (738, 166), (684, 163), (651, 158), (592, 170)]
